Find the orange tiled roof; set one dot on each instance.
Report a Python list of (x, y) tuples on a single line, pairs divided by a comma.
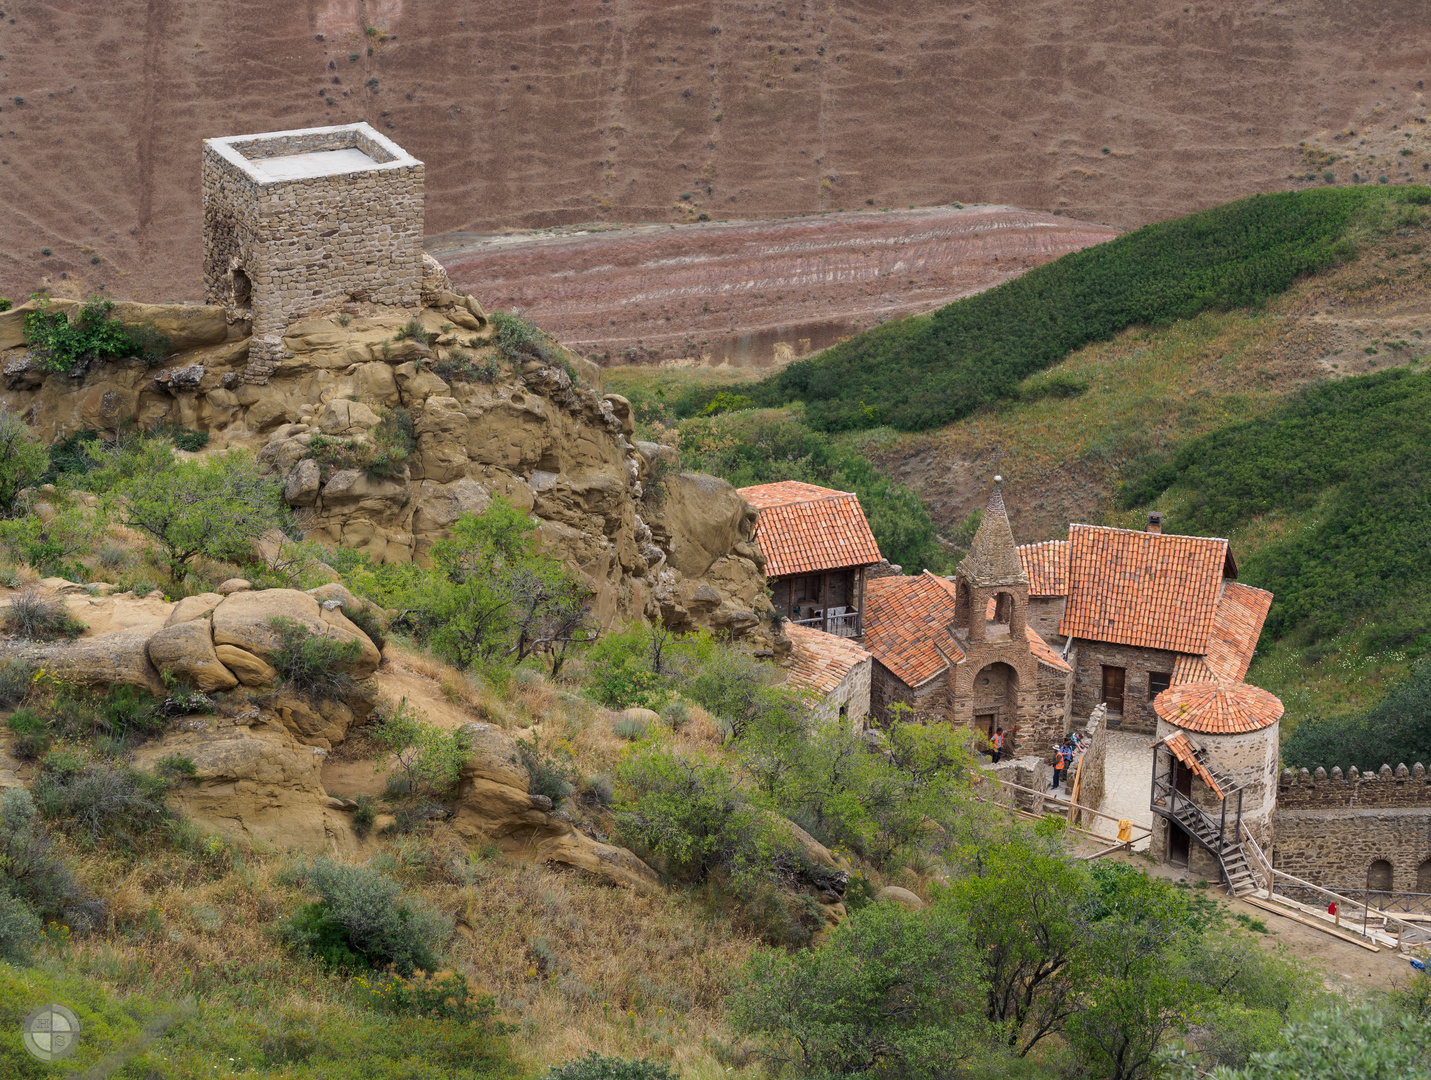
[(819, 660), (906, 626), (1042, 652), (1236, 626), (1184, 751), (1218, 708), (803, 528), (1046, 565), (1153, 590)]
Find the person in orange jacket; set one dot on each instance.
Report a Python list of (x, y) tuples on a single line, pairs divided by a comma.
[(997, 742), (1060, 762)]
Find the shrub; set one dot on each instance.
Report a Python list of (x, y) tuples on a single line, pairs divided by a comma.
[(630, 730), (888, 994), (127, 710), (32, 734), (70, 347), (364, 619), (16, 679), (310, 663), (413, 329), (363, 920), (1396, 729), (216, 507), (550, 775), (23, 460), (19, 929), (518, 340), (364, 816), (31, 870), (594, 1066), (430, 759), (101, 800), (443, 995), (34, 615)]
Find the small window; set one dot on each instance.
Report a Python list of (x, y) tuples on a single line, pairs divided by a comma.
[(1158, 681)]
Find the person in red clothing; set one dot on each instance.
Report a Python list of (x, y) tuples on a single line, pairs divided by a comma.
[(997, 742), (1060, 762)]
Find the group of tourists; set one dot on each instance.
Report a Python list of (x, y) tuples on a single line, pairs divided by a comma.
[(1066, 755)]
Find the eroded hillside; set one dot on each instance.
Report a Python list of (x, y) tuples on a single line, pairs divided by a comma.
[(542, 115)]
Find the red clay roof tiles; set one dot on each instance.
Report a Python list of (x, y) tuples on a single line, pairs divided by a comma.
[(1046, 565), (803, 528), (906, 626), (1183, 750), (819, 660), (1218, 708), (1152, 590), (1236, 626)]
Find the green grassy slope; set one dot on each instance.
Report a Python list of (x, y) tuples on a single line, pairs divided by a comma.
[(919, 373)]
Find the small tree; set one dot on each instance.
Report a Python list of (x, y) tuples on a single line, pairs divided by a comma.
[(430, 760), (217, 507), (22, 459)]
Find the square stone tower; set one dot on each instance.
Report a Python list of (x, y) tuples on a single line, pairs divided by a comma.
[(299, 221)]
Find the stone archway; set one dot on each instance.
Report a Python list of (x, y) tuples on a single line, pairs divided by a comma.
[(996, 697), (1378, 876)]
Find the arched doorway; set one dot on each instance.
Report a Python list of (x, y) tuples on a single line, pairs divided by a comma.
[(1423, 877), (996, 699), (243, 289), (1378, 876)]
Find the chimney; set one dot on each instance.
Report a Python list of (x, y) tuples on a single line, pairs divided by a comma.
[(1155, 521)]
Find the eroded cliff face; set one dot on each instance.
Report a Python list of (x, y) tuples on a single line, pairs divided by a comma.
[(648, 540)]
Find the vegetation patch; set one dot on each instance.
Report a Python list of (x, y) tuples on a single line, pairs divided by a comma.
[(69, 346), (918, 373)]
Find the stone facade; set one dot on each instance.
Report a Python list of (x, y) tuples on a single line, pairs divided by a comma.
[(930, 700), (1093, 656), (1044, 615), (1332, 829), (851, 698), (282, 243)]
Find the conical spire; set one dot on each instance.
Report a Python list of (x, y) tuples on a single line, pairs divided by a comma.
[(993, 559)]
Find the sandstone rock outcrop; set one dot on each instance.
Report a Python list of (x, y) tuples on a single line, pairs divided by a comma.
[(669, 546)]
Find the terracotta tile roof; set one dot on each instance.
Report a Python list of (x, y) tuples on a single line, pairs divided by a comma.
[(906, 626), (1046, 565), (819, 660), (1236, 626), (1042, 652), (803, 528), (1185, 752), (1218, 708), (1188, 669), (1152, 590)]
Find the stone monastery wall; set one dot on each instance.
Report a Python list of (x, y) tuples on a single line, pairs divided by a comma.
[(1331, 829)]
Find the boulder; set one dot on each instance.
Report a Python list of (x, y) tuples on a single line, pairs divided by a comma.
[(194, 607), (301, 486), (649, 716), (186, 651), (343, 417), (117, 658), (187, 326), (234, 585), (621, 409), (12, 322), (246, 667), (893, 894), (614, 865), (243, 620), (442, 504), (700, 519), (255, 785)]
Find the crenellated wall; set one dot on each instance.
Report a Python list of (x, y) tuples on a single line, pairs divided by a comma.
[(1331, 827)]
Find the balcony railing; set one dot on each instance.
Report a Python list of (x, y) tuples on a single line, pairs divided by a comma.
[(841, 624)]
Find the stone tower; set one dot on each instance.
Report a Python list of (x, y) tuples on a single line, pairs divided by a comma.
[(298, 222), (996, 685)]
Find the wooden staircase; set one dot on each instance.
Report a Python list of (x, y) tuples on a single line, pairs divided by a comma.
[(1216, 837)]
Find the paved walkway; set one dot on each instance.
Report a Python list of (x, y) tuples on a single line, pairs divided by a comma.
[(1127, 784)]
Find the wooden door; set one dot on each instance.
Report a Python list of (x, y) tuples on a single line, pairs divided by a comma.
[(985, 723), (1113, 678), (1177, 845), (1182, 778)]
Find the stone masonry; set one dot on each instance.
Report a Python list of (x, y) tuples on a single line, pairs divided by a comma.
[(299, 222), (1093, 656), (1332, 828)]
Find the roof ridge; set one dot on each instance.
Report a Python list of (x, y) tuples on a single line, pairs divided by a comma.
[(1137, 532)]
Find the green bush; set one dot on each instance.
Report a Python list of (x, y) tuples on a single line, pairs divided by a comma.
[(16, 679), (32, 734), (385, 457), (363, 920), (364, 619), (70, 346), (594, 1066), (918, 373), (444, 995), (428, 759), (126, 711), (23, 461), (549, 775), (216, 507), (19, 929), (313, 664), (101, 800), (1397, 730), (518, 340), (32, 871), (887, 994)]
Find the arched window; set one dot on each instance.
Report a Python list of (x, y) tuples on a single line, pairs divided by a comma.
[(1378, 877), (1423, 877)]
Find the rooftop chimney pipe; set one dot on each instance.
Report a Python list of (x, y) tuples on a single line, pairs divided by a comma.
[(1155, 521)]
